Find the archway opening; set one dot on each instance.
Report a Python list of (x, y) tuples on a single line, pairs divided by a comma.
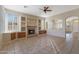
[(72, 28)]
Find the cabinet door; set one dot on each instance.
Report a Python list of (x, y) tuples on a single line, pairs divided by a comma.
[(21, 34), (13, 36)]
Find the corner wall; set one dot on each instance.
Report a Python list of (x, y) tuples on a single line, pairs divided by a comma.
[(52, 32), (1, 24)]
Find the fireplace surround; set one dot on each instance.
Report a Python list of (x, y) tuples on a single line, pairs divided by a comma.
[(31, 31)]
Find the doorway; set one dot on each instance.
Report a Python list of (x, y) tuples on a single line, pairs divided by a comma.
[(72, 32), (68, 31)]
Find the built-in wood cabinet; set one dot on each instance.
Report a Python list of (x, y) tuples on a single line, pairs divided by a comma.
[(13, 36), (21, 34), (8, 36), (15, 26)]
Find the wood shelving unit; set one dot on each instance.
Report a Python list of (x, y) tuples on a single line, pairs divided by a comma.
[(39, 25), (23, 24)]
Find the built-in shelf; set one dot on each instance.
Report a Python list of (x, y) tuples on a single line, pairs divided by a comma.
[(39, 25), (23, 23)]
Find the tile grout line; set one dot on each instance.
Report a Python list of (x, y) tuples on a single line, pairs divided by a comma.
[(58, 50), (54, 46)]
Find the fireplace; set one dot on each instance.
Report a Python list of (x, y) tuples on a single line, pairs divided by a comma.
[(31, 31)]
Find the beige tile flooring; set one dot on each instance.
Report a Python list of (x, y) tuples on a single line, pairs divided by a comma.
[(43, 44)]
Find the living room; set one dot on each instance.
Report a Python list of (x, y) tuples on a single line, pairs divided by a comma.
[(38, 29)]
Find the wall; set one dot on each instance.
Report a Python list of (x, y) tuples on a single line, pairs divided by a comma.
[(76, 26), (1, 24), (1, 19), (51, 31), (63, 16)]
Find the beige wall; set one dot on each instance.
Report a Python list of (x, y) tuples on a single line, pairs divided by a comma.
[(1, 19), (1, 24)]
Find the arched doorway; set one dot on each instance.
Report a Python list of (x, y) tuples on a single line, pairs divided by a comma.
[(72, 29)]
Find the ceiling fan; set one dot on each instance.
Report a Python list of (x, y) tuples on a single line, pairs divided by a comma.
[(46, 9)]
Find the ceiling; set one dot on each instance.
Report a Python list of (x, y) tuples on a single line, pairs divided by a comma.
[(35, 9)]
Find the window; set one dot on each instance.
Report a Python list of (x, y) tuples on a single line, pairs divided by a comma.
[(12, 22), (57, 24)]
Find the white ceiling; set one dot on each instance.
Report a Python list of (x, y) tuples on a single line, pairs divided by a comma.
[(35, 9)]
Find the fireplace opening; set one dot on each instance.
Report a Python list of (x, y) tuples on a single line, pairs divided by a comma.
[(31, 31)]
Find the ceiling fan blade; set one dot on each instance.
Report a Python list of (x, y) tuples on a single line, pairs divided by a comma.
[(48, 10), (45, 8)]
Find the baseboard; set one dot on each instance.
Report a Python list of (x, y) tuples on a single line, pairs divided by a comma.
[(56, 36)]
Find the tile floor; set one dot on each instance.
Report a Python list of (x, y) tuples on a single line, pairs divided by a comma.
[(43, 44)]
